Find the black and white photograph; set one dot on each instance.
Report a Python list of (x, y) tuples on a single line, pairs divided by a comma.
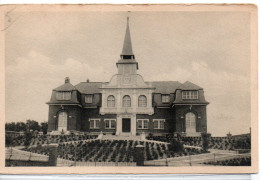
[(114, 86)]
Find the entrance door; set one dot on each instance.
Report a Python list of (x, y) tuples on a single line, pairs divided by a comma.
[(126, 125), (190, 122), (62, 121)]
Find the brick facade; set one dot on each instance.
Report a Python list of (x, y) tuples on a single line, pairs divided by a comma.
[(164, 100)]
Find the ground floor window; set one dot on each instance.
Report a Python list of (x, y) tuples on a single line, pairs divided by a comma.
[(110, 123), (94, 123), (142, 123), (62, 121), (158, 123), (190, 119)]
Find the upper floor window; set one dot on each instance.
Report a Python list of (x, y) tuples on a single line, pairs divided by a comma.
[(190, 94), (126, 101), (63, 95), (110, 123), (142, 101), (111, 101), (165, 98), (142, 123), (158, 123), (88, 98), (94, 123)]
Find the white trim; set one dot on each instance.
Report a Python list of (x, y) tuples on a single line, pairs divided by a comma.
[(95, 125), (87, 96), (159, 120), (202, 104), (166, 95), (90, 107), (109, 123), (189, 94), (64, 104), (143, 123)]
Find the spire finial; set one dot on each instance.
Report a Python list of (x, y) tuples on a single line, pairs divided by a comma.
[(127, 52)]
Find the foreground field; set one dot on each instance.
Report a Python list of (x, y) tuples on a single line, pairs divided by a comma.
[(113, 150)]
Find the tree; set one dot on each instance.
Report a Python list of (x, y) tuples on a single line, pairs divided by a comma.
[(28, 138), (10, 126), (32, 125), (176, 145), (44, 127), (20, 126)]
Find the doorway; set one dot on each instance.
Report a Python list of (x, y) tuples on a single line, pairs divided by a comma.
[(126, 124)]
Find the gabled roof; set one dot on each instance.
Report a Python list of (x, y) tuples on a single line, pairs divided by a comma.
[(189, 86), (165, 87), (127, 47), (65, 87), (89, 87)]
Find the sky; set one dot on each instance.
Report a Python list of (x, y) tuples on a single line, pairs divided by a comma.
[(210, 49)]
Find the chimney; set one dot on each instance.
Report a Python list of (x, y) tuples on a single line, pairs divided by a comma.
[(67, 80), (87, 80)]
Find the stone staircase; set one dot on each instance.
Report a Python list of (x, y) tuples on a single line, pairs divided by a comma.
[(123, 136)]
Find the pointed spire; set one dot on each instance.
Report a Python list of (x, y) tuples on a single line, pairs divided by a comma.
[(127, 52)]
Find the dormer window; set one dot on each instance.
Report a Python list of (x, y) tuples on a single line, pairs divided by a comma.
[(190, 94), (63, 95), (89, 98), (165, 98)]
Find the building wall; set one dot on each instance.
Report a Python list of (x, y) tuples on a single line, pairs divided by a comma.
[(93, 113), (198, 110), (74, 116), (78, 118), (159, 113)]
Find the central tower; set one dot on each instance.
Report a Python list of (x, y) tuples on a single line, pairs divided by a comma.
[(127, 89), (127, 64)]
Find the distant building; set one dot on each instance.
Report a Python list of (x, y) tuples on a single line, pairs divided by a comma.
[(128, 105)]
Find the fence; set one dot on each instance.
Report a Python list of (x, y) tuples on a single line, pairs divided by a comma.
[(195, 160), (15, 157)]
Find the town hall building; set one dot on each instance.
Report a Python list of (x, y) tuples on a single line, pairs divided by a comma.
[(128, 105)]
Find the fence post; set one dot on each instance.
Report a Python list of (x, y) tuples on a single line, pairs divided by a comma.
[(53, 154), (214, 157), (139, 155), (75, 155), (190, 159)]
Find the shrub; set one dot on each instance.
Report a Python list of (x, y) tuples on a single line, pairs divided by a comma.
[(176, 146)]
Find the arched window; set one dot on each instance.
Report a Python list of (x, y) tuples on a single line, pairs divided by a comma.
[(142, 101), (126, 101), (62, 121), (110, 101), (190, 119)]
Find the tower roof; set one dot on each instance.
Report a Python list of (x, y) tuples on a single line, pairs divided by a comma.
[(127, 47)]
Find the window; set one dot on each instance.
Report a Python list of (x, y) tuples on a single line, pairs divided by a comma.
[(158, 123), (88, 98), (190, 119), (126, 101), (111, 101), (110, 123), (142, 101), (165, 98), (94, 123), (142, 123), (63, 95), (190, 94)]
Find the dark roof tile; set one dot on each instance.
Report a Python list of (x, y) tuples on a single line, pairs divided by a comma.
[(89, 87), (165, 87), (189, 86), (65, 87)]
